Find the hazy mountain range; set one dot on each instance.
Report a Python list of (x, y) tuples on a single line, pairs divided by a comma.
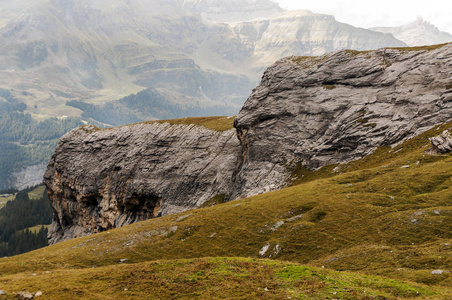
[(88, 50)]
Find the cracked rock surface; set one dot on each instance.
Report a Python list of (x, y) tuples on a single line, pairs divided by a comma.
[(317, 111), (309, 111), (102, 179)]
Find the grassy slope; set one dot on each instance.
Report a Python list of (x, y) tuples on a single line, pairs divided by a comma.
[(33, 195), (215, 123), (389, 214)]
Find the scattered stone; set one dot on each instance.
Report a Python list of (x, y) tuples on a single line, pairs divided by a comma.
[(332, 259), (24, 295), (33, 274), (123, 260), (172, 230), (182, 218), (276, 250), (405, 167), (264, 250), (2, 292), (212, 235), (437, 272), (38, 293), (266, 289), (277, 225), (294, 218)]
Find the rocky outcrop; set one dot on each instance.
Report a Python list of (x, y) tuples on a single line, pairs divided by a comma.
[(309, 111), (101, 179), (28, 176), (317, 111), (441, 144)]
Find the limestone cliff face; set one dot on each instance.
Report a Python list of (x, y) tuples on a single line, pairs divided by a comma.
[(311, 111), (101, 179), (317, 111)]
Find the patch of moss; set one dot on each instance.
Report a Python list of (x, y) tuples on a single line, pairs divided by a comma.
[(215, 123), (420, 48), (308, 61), (329, 86), (300, 59), (372, 125), (218, 199), (356, 52), (386, 63)]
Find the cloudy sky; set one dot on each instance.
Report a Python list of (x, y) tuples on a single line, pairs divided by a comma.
[(361, 13)]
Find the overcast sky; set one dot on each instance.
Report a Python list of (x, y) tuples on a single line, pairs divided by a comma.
[(362, 13)]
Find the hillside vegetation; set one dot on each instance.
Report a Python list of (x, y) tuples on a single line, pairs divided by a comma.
[(24, 221), (329, 236)]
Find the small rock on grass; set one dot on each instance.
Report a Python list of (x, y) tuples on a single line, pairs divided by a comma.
[(38, 293), (24, 295), (2, 292)]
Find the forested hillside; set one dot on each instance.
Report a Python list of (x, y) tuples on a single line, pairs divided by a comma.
[(17, 219), (24, 141)]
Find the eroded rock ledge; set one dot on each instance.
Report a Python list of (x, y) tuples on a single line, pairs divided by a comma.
[(101, 179), (311, 111)]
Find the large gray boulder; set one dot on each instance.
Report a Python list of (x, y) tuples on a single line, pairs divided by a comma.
[(101, 179), (332, 109)]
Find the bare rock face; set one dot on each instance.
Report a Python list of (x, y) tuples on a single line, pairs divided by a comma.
[(441, 144), (317, 111), (309, 111), (102, 179)]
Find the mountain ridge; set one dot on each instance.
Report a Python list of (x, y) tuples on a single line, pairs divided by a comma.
[(417, 33)]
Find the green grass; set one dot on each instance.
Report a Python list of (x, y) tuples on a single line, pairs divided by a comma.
[(35, 229), (218, 199), (36, 193), (215, 123), (389, 214), (3, 201), (420, 48), (329, 86), (208, 278)]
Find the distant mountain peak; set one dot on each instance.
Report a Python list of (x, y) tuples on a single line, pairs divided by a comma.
[(417, 33)]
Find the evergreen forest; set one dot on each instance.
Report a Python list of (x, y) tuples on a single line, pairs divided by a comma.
[(24, 141), (17, 218)]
